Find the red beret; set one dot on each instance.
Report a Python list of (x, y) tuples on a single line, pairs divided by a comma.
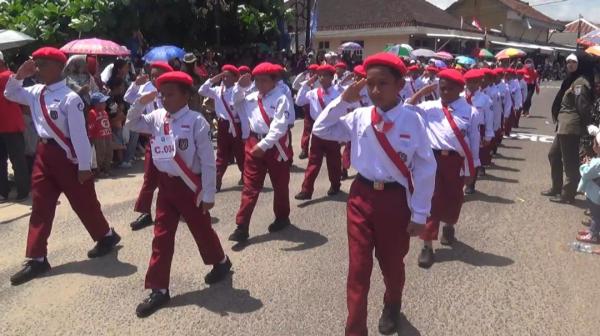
[(487, 72), (231, 68), (413, 68), (432, 68), (51, 54), (522, 71), (388, 60), (498, 71), (473, 74), (511, 71), (244, 68), (278, 68), (174, 77), (452, 75), (313, 67), (326, 68), (161, 66), (360, 70), (265, 68), (341, 65)]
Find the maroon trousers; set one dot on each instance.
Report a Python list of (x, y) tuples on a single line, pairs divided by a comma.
[(319, 148), (485, 152), (448, 194), (307, 131), (255, 171), (176, 200), (144, 200), (376, 220), (228, 147), (509, 122), (346, 155), (52, 175)]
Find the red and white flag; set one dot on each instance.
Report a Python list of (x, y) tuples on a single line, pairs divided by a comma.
[(476, 24)]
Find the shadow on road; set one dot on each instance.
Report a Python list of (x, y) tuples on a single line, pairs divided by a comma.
[(108, 266), (465, 253), (296, 169), (536, 117), (220, 298), (502, 157), (526, 128), (483, 197), (406, 328), (490, 177), (497, 167), (340, 197), (25, 215), (306, 239)]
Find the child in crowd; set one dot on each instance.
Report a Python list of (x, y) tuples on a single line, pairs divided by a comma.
[(99, 131), (117, 118), (590, 185)]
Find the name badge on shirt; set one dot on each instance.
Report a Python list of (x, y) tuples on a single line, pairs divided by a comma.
[(163, 147)]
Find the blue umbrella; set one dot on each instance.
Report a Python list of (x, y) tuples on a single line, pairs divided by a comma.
[(163, 53), (464, 60), (440, 64)]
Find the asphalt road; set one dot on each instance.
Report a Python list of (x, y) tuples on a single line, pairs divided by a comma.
[(511, 273)]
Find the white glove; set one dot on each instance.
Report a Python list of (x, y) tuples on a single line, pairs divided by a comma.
[(593, 130)]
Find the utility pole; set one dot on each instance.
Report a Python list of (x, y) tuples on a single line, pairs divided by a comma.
[(296, 25), (308, 19)]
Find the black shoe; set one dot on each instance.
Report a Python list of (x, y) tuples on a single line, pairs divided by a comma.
[(587, 222), (21, 198), (562, 200), (303, 196), (469, 190), (152, 303), (333, 191), (344, 175), (218, 273), (388, 322), (550, 193), (279, 224), (141, 222), (218, 186), (426, 258), (588, 212), (303, 155), (31, 270), (240, 234), (105, 245), (481, 172), (447, 235)]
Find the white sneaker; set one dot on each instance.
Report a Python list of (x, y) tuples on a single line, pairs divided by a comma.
[(125, 164)]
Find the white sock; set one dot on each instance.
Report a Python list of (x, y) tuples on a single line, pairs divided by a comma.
[(224, 260), (109, 233), (40, 259), (162, 290)]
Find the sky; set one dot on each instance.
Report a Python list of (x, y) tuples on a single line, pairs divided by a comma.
[(567, 10)]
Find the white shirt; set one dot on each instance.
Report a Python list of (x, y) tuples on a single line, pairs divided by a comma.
[(220, 93), (136, 91), (277, 106), (515, 91), (306, 96), (428, 80), (192, 141), (410, 87), (65, 108), (408, 137), (483, 105), (506, 98), (494, 94), (441, 135), (286, 89), (523, 85)]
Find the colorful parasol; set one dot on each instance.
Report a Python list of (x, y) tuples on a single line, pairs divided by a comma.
[(590, 39), (402, 50), (594, 51), (350, 46), (464, 61), (94, 46), (163, 53), (444, 55), (484, 53), (510, 53)]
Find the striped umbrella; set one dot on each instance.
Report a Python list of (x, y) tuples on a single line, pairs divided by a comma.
[(510, 53), (594, 51), (590, 39), (402, 50)]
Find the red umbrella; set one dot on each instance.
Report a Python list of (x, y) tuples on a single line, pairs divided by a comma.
[(95, 46)]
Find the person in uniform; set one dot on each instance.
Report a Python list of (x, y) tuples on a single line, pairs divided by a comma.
[(515, 90), (430, 77), (571, 112), (340, 73), (390, 198), (267, 147), (483, 108), (413, 84), (63, 160), (507, 103), (491, 90), (232, 128), (523, 85), (308, 121), (318, 99), (453, 131), (182, 152), (145, 84)]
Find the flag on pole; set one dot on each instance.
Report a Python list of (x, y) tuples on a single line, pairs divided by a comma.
[(475, 23)]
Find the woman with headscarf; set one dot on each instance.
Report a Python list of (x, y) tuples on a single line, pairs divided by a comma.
[(571, 112), (78, 77)]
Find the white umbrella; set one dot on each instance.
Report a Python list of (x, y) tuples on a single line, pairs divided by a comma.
[(350, 46), (427, 53), (12, 39)]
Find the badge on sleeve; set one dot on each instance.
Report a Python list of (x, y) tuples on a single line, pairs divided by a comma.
[(54, 114), (183, 144), (577, 89), (80, 106), (402, 156)]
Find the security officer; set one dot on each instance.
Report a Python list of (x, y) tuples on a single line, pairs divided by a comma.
[(571, 111)]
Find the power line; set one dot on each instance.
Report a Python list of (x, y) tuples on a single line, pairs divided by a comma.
[(548, 3)]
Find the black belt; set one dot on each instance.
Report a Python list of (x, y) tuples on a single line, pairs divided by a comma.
[(379, 185), (50, 141), (223, 119), (257, 136), (446, 152)]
